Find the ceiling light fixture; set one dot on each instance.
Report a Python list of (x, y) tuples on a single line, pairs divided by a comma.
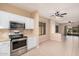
[(69, 24)]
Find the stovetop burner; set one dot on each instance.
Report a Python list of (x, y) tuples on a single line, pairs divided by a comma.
[(15, 35)]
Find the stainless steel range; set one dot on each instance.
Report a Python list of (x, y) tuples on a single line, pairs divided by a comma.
[(18, 43)]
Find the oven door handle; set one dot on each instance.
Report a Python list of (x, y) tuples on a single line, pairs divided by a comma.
[(18, 40)]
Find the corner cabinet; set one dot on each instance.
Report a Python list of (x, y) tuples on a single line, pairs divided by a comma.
[(5, 48), (6, 17)]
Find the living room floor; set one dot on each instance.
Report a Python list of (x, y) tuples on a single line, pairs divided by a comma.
[(68, 47)]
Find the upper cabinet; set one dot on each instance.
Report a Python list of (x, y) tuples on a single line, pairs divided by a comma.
[(6, 17), (29, 23), (4, 20)]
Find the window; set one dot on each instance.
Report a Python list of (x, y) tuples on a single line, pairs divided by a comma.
[(42, 28), (57, 29)]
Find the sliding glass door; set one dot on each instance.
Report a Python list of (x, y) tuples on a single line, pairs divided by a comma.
[(74, 31)]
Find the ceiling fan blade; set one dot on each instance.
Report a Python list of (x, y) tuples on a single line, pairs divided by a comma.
[(64, 14), (61, 16), (57, 13), (52, 15)]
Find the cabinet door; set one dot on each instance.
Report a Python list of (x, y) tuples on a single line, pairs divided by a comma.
[(5, 48), (31, 42), (17, 18), (4, 18), (29, 23)]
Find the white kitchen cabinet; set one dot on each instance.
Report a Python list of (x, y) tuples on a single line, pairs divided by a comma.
[(6, 17), (5, 48), (31, 42), (4, 20), (29, 23), (17, 18)]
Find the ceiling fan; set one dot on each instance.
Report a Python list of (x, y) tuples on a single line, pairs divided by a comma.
[(58, 14)]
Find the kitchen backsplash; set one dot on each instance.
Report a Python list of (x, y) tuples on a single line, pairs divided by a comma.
[(4, 34), (28, 32)]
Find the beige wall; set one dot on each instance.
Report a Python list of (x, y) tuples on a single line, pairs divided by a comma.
[(61, 29), (43, 38), (75, 23), (53, 35), (35, 16), (52, 26)]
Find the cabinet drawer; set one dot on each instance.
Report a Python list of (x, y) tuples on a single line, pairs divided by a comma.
[(5, 48)]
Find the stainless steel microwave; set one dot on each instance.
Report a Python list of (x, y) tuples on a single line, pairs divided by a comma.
[(16, 25)]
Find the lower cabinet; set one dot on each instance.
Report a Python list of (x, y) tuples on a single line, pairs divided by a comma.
[(31, 42), (5, 48)]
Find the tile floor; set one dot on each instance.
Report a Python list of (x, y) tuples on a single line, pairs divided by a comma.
[(68, 47)]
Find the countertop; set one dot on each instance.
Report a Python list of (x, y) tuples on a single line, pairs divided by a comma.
[(4, 40)]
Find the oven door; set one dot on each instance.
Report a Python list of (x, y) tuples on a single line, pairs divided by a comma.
[(18, 44)]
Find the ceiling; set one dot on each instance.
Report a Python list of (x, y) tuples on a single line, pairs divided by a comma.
[(47, 9)]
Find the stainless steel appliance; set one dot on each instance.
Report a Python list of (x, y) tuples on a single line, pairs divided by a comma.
[(17, 25), (18, 43)]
